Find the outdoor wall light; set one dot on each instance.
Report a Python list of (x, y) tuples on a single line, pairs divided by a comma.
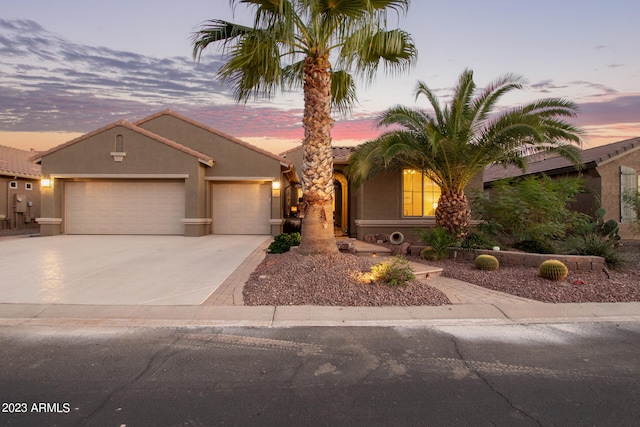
[(45, 183), (275, 188)]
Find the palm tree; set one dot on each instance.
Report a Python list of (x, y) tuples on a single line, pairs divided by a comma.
[(293, 43), (454, 144)]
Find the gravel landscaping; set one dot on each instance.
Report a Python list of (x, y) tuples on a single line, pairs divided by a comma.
[(292, 279), (622, 285)]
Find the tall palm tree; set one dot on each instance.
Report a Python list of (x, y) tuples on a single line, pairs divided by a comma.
[(321, 46), (453, 144)]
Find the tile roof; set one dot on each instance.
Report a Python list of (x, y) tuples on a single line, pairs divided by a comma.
[(16, 162), (342, 153), (202, 157), (540, 163)]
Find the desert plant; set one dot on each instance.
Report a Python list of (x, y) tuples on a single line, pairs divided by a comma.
[(283, 242), (538, 246), (453, 143), (592, 244), (596, 237), (528, 210), (486, 262), (439, 239), (396, 272), (632, 199), (478, 240), (427, 253), (609, 229), (553, 269)]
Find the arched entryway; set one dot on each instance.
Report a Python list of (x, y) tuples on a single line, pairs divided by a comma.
[(341, 204)]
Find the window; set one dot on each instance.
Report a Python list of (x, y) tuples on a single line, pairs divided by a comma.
[(13, 185), (420, 194), (28, 186)]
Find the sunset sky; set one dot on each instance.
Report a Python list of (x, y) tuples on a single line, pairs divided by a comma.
[(68, 67)]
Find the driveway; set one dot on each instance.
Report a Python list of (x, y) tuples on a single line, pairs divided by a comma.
[(119, 270)]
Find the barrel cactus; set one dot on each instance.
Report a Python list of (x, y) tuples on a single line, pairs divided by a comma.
[(554, 270), (486, 262)]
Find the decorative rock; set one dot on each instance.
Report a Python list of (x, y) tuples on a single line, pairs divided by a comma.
[(370, 238), (402, 248), (346, 245), (383, 237)]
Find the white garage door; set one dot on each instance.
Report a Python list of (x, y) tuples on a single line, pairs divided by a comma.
[(124, 207), (241, 208)]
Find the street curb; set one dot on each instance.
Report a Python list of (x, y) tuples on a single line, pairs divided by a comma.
[(294, 316)]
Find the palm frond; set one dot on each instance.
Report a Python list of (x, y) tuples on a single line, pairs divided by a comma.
[(368, 47), (467, 135), (254, 67), (351, 31), (215, 31), (343, 91)]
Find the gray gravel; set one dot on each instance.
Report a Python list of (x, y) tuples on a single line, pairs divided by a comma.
[(293, 279), (621, 285)]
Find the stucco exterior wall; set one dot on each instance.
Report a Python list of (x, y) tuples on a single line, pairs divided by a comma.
[(234, 161), (610, 194), (11, 218), (379, 207), (231, 158), (91, 158)]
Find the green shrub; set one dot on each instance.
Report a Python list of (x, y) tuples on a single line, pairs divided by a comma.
[(536, 246), (283, 242), (439, 239), (632, 200), (477, 240), (553, 269), (592, 244), (529, 209), (486, 262), (396, 272), (597, 238), (609, 230), (427, 253)]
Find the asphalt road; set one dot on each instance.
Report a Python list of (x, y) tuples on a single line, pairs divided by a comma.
[(519, 375)]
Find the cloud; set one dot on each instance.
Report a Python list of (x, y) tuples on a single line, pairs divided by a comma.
[(48, 83), (613, 110)]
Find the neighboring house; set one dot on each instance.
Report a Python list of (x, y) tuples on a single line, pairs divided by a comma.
[(401, 200), (608, 170), (19, 189), (164, 174)]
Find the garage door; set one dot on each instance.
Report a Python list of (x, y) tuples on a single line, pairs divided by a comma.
[(124, 207), (241, 208)]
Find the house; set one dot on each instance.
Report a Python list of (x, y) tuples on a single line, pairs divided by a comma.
[(394, 201), (19, 189), (164, 174), (608, 170)]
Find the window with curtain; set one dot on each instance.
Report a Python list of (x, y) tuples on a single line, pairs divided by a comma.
[(420, 194)]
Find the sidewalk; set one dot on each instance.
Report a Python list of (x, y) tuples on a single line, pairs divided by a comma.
[(471, 305)]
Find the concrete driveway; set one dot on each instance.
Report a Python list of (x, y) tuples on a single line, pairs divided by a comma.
[(119, 270)]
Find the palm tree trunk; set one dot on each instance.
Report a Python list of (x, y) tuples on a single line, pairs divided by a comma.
[(317, 164), (454, 213)]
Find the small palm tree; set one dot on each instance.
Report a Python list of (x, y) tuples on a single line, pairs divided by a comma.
[(454, 144), (295, 43)]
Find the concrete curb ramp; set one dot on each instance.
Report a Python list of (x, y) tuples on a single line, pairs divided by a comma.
[(290, 316)]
